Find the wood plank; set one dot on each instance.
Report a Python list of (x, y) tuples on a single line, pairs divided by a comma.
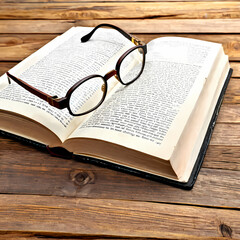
[(222, 157), (122, 208), (5, 66), (135, 26), (44, 236), (48, 236), (224, 134), (232, 94), (25, 170), (113, 10), (236, 69), (36, 26), (137, 219), (15, 47), (35, 236), (94, 1), (18, 47), (229, 113), (22, 236), (174, 25)]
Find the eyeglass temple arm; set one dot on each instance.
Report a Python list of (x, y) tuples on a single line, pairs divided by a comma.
[(128, 36), (52, 100)]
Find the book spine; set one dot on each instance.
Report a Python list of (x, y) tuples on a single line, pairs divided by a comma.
[(59, 152), (23, 140)]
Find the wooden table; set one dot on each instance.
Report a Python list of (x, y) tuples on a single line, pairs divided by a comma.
[(44, 197)]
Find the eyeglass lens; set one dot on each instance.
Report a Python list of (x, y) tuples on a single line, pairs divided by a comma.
[(89, 94), (131, 66)]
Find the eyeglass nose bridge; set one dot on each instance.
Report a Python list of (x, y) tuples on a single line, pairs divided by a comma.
[(111, 74)]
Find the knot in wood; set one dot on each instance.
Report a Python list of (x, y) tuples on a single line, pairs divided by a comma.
[(81, 177), (226, 231), (236, 45)]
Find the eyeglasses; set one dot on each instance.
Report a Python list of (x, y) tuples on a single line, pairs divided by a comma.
[(89, 93)]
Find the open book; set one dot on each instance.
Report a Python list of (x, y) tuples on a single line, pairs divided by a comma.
[(160, 125)]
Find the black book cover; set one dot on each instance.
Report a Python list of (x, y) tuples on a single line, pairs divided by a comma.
[(61, 152)]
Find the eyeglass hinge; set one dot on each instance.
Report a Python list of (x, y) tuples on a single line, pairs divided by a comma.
[(51, 101), (136, 41)]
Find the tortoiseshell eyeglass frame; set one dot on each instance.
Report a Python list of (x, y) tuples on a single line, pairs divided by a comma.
[(63, 102)]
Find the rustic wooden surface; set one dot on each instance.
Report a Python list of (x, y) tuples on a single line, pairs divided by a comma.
[(44, 197)]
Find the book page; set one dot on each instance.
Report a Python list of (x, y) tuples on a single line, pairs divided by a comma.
[(191, 140), (193, 54), (55, 68), (141, 115)]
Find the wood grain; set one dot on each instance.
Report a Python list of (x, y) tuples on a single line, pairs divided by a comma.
[(76, 216), (36, 26), (52, 236), (232, 94), (44, 197), (112, 10), (224, 134), (5, 66), (229, 113), (15, 47), (135, 26), (222, 157), (41, 174), (18, 47), (236, 69), (172, 25), (94, 1)]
